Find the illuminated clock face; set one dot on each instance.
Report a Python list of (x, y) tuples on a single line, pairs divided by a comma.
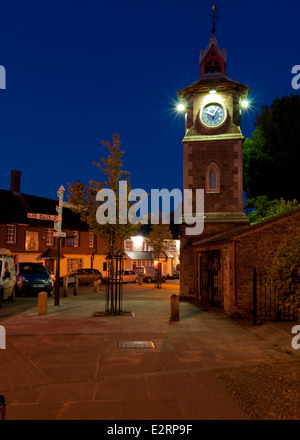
[(213, 115)]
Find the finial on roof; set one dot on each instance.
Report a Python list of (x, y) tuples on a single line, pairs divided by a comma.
[(214, 16)]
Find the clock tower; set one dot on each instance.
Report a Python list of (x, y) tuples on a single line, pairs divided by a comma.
[(212, 152)]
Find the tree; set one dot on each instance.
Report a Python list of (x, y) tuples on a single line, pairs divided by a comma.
[(261, 207), (159, 240), (82, 198), (272, 156), (284, 275)]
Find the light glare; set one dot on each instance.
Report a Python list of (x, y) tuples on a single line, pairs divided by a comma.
[(181, 107)]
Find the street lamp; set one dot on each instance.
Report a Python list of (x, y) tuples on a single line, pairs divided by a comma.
[(181, 107)]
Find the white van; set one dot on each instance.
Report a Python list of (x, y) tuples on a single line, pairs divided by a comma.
[(7, 276), (149, 273)]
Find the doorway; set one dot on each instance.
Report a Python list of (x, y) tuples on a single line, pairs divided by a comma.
[(210, 278)]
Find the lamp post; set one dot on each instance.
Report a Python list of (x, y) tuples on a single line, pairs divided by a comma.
[(59, 234)]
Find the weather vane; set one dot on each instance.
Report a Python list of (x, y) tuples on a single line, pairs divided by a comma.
[(214, 16)]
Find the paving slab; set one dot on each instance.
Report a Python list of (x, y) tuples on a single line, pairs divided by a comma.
[(67, 364)]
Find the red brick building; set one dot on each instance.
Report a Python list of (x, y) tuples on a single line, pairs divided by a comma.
[(217, 266), (30, 239)]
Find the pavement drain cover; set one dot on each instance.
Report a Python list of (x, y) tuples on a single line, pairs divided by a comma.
[(135, 344), (106, 314)]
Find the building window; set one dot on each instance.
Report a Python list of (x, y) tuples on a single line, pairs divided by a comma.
[(172, 246), (74, 264), (11, 234), (91, 240), (213, 67), (49, 237), (128, 245), (212, 179), (76, 238)]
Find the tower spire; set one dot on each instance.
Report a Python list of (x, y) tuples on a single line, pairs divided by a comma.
[(214, 16)]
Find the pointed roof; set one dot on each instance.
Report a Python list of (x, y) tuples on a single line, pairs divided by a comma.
[(213, 42)]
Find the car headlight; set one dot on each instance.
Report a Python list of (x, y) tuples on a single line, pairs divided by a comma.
[(22, 280), (51, 281)]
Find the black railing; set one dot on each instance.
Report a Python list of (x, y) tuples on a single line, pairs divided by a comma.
[(265, 306)]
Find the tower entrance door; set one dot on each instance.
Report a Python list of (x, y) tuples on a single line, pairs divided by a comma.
[(210, 277)]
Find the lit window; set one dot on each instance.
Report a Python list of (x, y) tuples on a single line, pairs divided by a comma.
[(172, 246), (11, 234), (128, 245), (74, 264)]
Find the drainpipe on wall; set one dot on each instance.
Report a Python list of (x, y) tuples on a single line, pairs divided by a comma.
[(234, 273)]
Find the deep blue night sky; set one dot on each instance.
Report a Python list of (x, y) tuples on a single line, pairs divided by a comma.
[(79, 71)]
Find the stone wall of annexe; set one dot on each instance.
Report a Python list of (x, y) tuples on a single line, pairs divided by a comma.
[(242, 248), (257, 248)]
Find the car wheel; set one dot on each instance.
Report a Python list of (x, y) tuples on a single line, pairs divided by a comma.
[(149, 279), (163, 279)]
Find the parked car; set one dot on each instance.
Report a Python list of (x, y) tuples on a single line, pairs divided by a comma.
[(33, 278), (130, 276), (7, 276), (86, 276), (150, 274)]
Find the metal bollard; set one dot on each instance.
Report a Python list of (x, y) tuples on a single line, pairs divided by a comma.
[(174, 303), (2, 407), (65, 286)]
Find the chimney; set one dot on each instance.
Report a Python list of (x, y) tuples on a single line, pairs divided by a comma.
[(15, 181)]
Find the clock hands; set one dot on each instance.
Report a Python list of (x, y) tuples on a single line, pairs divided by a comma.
[(212, 114)]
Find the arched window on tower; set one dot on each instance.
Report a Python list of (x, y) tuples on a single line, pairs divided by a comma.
[(212, 179)]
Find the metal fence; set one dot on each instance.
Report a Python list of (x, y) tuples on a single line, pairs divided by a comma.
[(265, 306)]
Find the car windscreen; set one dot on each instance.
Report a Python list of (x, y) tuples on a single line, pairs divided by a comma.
[(32, 269)]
